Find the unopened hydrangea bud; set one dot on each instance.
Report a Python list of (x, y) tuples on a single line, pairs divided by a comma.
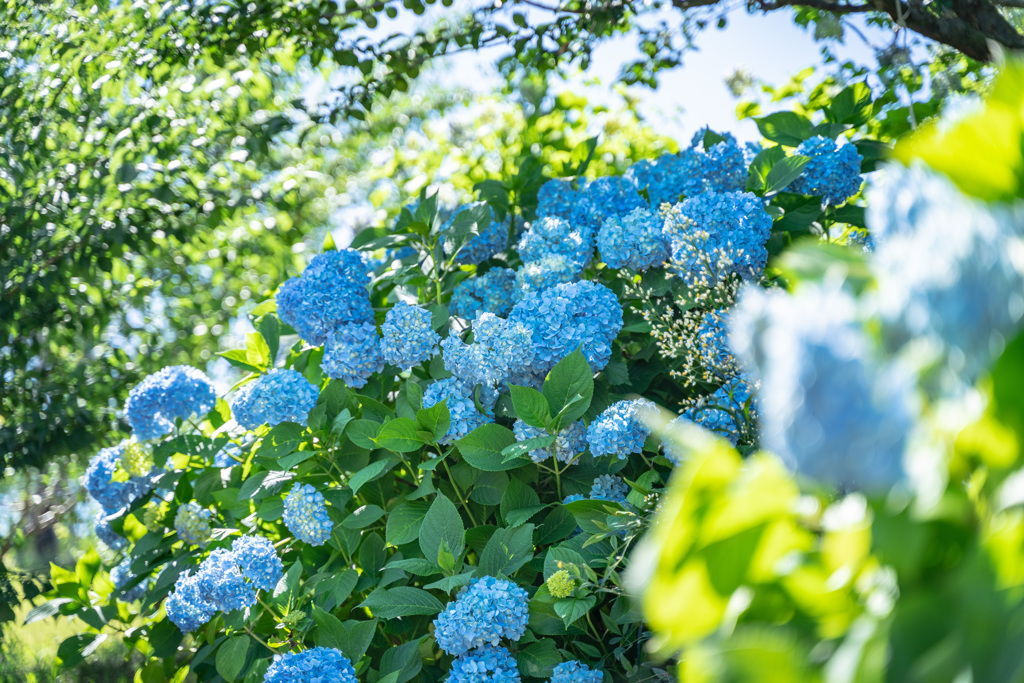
[(136, 458), (305, 515), (561, 584), (193, 524), (153, 516)]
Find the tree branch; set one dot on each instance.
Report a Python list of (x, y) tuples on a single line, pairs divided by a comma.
[(835, 8)]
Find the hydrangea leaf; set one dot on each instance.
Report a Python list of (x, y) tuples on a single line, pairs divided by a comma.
[(442, 529)]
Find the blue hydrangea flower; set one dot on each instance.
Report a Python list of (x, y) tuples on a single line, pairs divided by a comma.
[(499, 348), (305, 515), (281, 395), (544, 273), (490, 241), (491, 292), (556, 198), (721, 412), (121, 575), (487, 664), (611, 488), (176, 391), (603, 197), (106, 533), (315, 665), (573, 498), (112, 495), (484, 612), (551, 236), (669, 177), (569, 442), (353, 353), (576, 672), (724, 164), (192, 522), (461, 406), (711, 347), (833, 172), (330, 292), (258, 561), (185, 606), (409, 338), (827, 406), (567, 316), (222, 585), (620, 429), (636, 240), (714, 234)]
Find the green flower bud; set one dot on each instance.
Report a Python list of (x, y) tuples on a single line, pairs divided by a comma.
[(136, 459), (561, 585)]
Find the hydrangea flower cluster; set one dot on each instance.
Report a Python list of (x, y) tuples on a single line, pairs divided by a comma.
[(491, 292), (711, 347), (611, 488), (281, 395), (483, 245), (556, 198), (499, 348), (600, 198), (330, 292), (724, 163), (620, 429), (827, 406), (315, 665), (305, 515), (552, 236), (121, 575), (833, 172), (461, 405), (721, 413), (409, 338), (227, 580), (353, 353), (569, 442), (136, 458), (636, 240), (487, 664), (192, 522), (112, 495), (575, 672), (669, 176), (484, 612), (106, 533), (561, 584), (173, 392), (712, 225), (544, 273), (568, 316)]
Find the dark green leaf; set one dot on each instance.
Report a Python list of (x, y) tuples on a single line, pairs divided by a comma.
[(482, 448), (442, 529)]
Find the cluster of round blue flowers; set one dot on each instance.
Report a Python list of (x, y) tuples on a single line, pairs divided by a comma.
[(636, 240), (258, 561), (712, 225), (568, 316), (99, 481), (491, 292), (483, 613), (552, 236), (556, 198), (611, 488), (827, 406), (330, 292), (724, 163), (186, 607), (833, 171), (222, 584), (669, 177), (569, 442), (106, 533), (305, 515), (192, 522), (722, 412), (620, 429), (281, 395), (544, 273), (409, 338), (574, 671), (353, 353), (121, 576), (461, 406), (482, 246), (600, 198), (315, 665), (487, 664), (173, 392), (499, 349)]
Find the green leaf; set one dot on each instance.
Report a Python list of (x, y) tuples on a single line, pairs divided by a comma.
[(414, 565), (351, 637), (436, 419), (402, 662), (256, 350), (442, 529), (785, 127), (270, 328), (589, 512), (557, 557), (281, 440), (538, 659), (761, 166), (519, 503), (404, 523), (400, 435), (482, 448), (373, 471), (531, 406), (231, 657), (526, 446), (49, 608), (569, 388), (403, 601), (76, 648), (450, 583), (363, 517), (363, 432), (506, 551), (572, 609), (852, 106), (784, 172)]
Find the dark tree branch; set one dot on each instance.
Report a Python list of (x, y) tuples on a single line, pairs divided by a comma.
[(834, 7)]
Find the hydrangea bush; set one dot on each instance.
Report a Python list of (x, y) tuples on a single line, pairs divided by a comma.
[(435, 463)]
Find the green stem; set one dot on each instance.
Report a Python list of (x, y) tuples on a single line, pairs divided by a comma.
[(437, 273), (458, 492), (259, 640), (558, 472)]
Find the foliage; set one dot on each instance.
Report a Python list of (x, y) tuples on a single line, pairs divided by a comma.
[(909, 578)]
